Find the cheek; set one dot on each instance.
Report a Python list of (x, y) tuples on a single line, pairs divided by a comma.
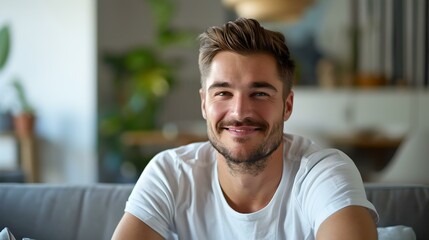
[(215, 111), (269, 108)]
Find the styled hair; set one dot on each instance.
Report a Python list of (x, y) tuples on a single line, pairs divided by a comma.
[(246, 36)]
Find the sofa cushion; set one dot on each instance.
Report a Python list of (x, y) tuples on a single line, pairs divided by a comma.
[(5, 234), (396, 233)]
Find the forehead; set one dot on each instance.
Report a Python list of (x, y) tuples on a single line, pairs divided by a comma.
[(233, 67)]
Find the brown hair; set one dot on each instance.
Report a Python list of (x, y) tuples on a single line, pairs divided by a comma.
[(245, 36)]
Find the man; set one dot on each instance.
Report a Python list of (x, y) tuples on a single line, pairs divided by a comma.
[(250, 181)]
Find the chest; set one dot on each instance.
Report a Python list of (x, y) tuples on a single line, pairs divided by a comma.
[(206, 215)]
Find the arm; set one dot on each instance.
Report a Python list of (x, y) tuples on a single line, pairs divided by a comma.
[(352, 223), (130, 227)]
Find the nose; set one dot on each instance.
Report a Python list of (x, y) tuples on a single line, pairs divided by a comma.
[(241, 107)]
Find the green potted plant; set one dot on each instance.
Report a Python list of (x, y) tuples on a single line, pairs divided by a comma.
[(5, 116), (141, 79)]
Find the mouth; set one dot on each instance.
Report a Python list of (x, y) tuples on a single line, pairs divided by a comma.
[(242, 130)]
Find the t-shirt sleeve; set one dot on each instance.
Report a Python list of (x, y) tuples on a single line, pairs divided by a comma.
[(152, 198), (330, 181)]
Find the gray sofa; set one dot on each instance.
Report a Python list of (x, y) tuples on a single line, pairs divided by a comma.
[(45, 212)]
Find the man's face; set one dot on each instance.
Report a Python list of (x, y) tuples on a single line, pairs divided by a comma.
[(242, 101)]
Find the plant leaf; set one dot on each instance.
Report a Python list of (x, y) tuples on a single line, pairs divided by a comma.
[(4, 45), (171, 36), (162, 11)]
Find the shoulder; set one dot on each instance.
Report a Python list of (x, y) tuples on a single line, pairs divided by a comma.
[(159, 181), (309, 154), (297, 148), (171, 179), (322, 171), (327, 180), (199, 153)]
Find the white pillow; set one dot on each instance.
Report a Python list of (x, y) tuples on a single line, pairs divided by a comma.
[(399, 232), (5, 234)]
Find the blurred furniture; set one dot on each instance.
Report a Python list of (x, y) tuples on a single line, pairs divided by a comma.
[(12, 176), (160, 138), (149, 143), (18, 158), (42, 211), (139, 147), (370, 151), (28, 158), (410, 164), (392, 112)]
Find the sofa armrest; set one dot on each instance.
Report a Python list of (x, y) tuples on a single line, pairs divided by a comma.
[(43, 211), (401, 205)]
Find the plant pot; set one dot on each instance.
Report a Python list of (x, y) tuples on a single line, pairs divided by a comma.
[(24, 124)]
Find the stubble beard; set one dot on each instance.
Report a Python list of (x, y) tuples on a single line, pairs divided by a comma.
[(256, 161)]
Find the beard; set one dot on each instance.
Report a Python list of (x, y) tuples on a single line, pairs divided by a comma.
[(255, 160)]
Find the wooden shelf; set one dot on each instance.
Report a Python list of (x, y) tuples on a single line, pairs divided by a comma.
[(365, 141), (158, 138)]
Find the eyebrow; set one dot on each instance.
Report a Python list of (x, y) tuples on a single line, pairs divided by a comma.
[(219, 85), (264, 85), (254, 85)]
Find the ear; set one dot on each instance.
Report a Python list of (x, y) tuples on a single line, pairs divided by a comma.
[(203, 102), (288, 106)]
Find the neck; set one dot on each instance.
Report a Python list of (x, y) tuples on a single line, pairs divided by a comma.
[(247, 192)]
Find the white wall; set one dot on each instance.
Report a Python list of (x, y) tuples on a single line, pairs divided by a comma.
[(54, 55)]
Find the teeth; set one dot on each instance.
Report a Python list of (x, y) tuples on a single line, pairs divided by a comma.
[(242, 130), (239, 129)]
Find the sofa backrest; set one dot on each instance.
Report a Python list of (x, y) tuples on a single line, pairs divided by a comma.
[(406, 205), (45, 212)]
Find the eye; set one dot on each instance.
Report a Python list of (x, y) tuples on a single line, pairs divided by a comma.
[(260, 94), (222, 94)]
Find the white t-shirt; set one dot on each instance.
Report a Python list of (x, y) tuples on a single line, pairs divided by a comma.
[(179, 196)]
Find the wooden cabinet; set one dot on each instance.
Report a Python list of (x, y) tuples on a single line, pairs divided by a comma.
[(28, 158)]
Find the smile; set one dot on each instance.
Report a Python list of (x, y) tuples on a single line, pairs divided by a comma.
[(242, 130)]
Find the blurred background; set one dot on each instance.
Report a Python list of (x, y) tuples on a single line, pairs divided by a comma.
[(91, 90)]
